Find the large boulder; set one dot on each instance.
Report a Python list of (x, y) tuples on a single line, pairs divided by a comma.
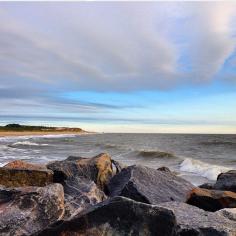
[(148, 185), (211, 200), (80, 193), (226, 181), (20, 173), (27, 210), (97, 169), (192, 221), (117, 217)]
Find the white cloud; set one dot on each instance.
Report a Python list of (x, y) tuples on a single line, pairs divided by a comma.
[(57, 47), (211, 40)]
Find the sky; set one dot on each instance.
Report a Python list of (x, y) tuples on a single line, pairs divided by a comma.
[(119, 66)]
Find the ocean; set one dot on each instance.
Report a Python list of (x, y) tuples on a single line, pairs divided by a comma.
[(198, 158)]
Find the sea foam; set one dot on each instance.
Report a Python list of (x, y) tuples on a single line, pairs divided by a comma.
[(203, 169), (27, 143)]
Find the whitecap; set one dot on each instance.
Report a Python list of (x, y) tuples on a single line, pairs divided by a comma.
[(27, 143), (202, 168)]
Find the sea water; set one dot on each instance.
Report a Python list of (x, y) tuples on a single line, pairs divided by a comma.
[(198, 158)]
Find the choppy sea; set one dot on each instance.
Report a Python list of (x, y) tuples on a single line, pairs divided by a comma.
[(196, 157)]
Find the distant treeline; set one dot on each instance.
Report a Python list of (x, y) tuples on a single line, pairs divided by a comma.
[(18, 127)]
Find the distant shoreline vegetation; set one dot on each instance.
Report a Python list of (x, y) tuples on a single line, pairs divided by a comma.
[(18, 127)]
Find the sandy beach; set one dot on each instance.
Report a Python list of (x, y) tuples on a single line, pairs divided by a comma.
[(26, 133)]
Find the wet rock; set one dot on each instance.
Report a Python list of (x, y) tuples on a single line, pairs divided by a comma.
[(207, 186), (192, 221), (80, 193), (27, 210), (20, 173), (117, 167), (212, 200), (164, 168), (226, 181), (148, 185), (97, 169), (117, 217)]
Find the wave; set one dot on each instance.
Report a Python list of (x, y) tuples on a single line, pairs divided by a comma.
[(2, 164), (3, 147), (26, 137), (111, 146), (154, 154), (202, 168), (26, 143), (218, 143)]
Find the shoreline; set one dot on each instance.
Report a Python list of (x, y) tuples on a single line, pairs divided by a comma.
[(40, 133)]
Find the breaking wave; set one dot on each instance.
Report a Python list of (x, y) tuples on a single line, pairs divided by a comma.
[(201, 168), (26, 143)]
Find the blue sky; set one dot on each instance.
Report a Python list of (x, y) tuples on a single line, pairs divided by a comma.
[(119, 67)]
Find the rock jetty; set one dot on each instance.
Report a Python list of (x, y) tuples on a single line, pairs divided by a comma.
[(99, 196)]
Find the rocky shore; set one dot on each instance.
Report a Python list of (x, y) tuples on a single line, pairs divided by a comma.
[(98, 196)]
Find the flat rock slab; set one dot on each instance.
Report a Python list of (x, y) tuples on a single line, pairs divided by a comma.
[(80, 194), (148, 185), (19, 164), (212, 200), (97, 169), (27, 210), (192, 221), (226, 181), (25, 177), (117, 217)]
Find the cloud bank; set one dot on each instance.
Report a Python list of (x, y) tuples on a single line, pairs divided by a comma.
[(48, 49)]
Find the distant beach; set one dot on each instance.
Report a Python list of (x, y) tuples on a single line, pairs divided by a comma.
[(26, 130), (26, 133)]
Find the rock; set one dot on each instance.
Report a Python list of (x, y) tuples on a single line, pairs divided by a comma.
[(20, 173), (229, 213), (226, 181), (163, 168), (27, 210), (207, 186), (148, 185), (192, 221), (97, 169), (117, 167), (211, 200), (117, 217), (19, 164), (80, 193)]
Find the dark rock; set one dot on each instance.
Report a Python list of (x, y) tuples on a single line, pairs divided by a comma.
[(226, 181), (163, 168), (117, 217), (211, 200), (26, 210), (207, 186), (20, 173), (80, 193), (97, 169), (148, 185), (117, 167), (192, 221)]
